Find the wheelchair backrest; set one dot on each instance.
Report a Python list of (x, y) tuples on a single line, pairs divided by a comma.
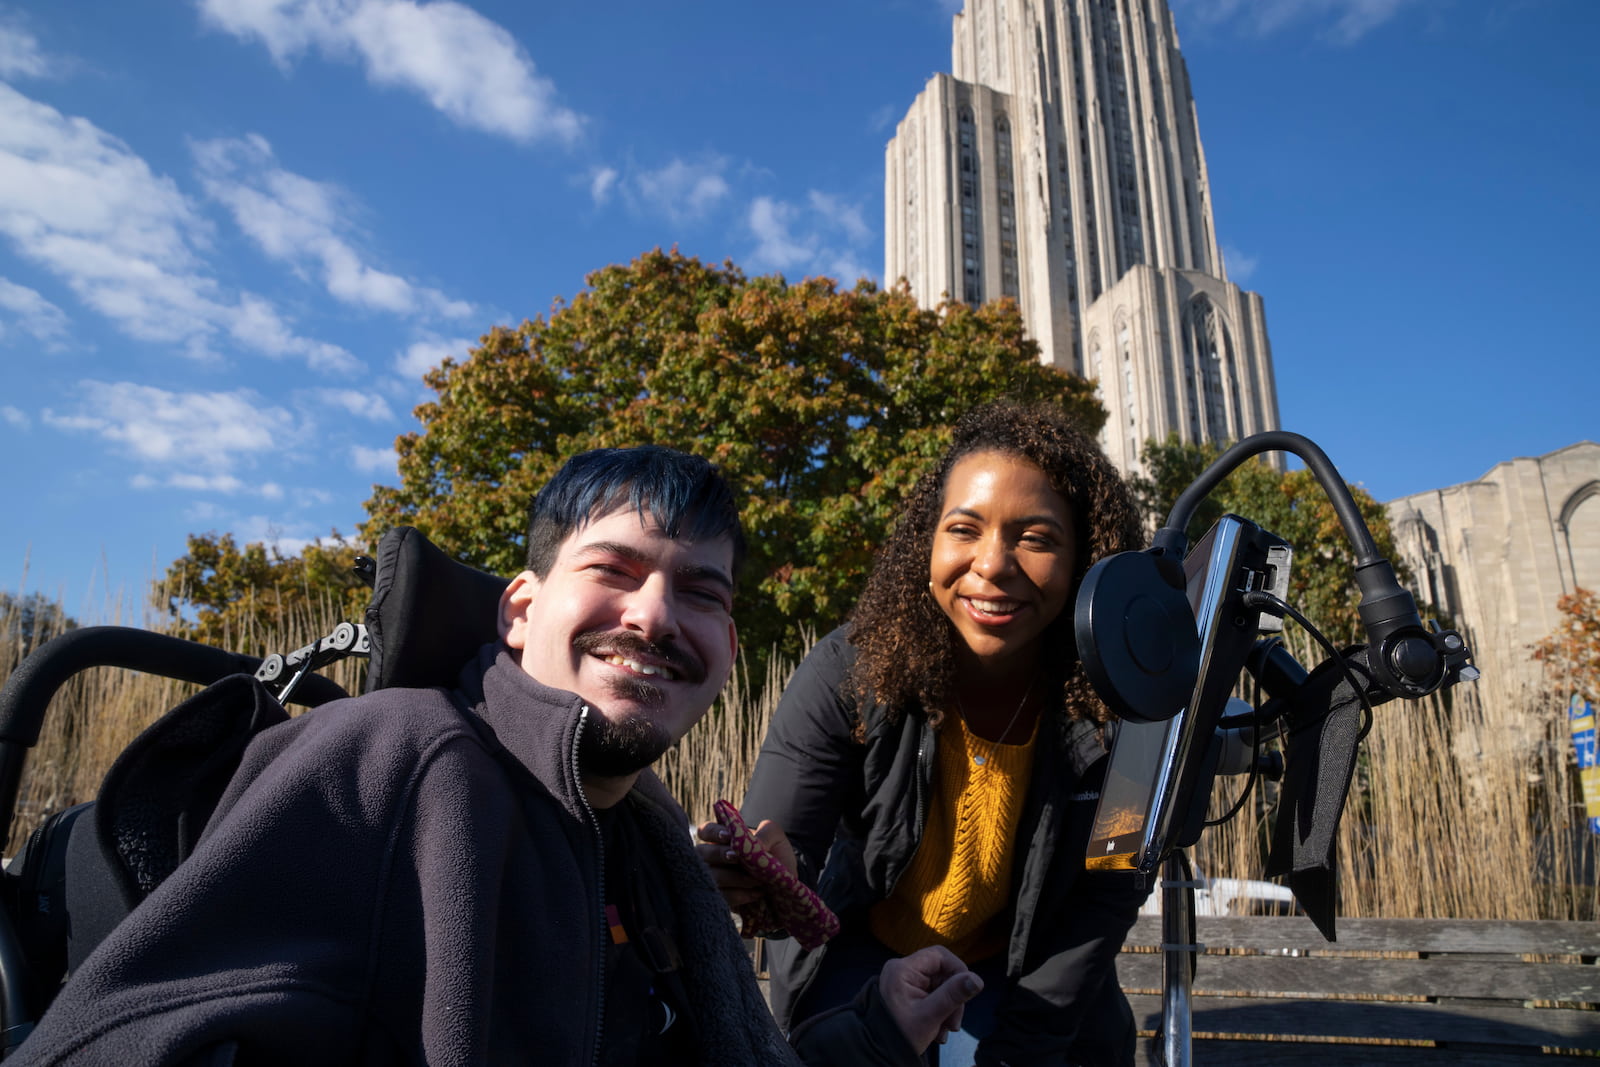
[(84, 869)]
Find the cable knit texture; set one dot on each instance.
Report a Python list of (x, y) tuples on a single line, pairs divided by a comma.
[(960, 879)]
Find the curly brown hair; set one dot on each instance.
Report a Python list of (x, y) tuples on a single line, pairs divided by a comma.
[(906, 644)]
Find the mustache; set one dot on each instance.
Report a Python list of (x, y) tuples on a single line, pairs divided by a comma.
[(630, 645)]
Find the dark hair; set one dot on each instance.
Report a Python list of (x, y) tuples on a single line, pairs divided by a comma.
[(683, 493), (906, 643)]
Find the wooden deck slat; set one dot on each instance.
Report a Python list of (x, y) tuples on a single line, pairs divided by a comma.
[(1479, 1024), (1298, 1054), (1569, 983), (1296, 933)]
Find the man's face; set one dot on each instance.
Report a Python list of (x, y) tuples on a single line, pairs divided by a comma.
[(638, 625)]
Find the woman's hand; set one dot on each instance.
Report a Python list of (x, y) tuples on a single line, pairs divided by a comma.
[(739, 887)]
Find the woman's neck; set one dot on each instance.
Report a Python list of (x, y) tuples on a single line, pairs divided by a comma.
[(998, 701), (992, 678)]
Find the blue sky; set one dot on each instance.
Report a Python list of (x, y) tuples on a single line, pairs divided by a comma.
[(234, 232)]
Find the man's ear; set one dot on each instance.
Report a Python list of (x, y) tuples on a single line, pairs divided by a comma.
[(733, 645), (515, 605)]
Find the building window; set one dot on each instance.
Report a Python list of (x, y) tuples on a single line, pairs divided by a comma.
[(1208, 351)]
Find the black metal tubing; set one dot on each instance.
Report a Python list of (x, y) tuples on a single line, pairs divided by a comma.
[(1344, 505), (27, 692), (16, 1021)]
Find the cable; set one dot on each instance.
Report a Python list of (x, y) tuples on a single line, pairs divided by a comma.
[(1260, 598), (1255, 759)]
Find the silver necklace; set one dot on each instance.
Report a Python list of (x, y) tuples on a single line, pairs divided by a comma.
[(979, 761)]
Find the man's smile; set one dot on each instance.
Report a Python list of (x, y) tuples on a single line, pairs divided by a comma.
[(638, 658), (640, 667)]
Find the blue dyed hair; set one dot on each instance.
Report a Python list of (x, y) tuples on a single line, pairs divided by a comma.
[(684, 494)]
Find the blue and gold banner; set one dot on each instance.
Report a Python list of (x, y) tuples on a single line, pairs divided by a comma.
[(1581, 715)]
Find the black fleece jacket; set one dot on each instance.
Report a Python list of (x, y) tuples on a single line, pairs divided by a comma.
[(409, 877), (855, 813)]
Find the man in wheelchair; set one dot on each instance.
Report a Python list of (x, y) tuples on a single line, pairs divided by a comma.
[(489, 873)]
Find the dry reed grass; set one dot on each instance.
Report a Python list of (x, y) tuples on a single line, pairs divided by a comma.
[(1446, 818), (714, 760)]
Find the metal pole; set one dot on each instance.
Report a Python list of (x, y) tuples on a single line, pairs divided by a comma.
[(1176, 955)]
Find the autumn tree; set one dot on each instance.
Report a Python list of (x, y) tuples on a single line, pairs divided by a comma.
[(28, 620), (1571, 652), (240, 597), (1170, 467), (1292, 505), (821, 407)]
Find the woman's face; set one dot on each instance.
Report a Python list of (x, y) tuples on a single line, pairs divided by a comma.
[(1003, 556)]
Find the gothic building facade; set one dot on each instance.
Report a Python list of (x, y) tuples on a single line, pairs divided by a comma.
[(1497, 555), (1061, 166)]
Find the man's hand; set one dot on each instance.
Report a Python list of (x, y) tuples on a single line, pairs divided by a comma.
[(926, 993), (738, 887)]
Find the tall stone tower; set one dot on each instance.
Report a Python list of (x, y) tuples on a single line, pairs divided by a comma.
[(1061, 166)]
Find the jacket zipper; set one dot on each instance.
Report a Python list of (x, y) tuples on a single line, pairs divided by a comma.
[(920, 792), (600, 851), (922, 787)]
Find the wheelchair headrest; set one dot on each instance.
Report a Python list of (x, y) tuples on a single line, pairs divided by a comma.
[(429, 613)]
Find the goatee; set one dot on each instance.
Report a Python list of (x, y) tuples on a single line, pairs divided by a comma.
[(610, 749)]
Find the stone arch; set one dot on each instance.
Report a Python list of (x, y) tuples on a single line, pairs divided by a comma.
[(1580, 529), (1209, 367)]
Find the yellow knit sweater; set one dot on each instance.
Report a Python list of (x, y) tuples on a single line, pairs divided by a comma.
[(960, 878)]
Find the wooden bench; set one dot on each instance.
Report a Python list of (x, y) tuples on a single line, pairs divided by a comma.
[(1270, 990)]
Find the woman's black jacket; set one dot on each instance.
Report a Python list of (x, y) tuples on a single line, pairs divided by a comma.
[(855, 812)]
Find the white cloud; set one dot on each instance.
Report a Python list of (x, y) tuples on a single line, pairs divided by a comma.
[(209, 431), (846, 217), (204, 483), (601, 184), (825, 236), (290, 539), (20, 55), (1239, 265), (884, 117), (681, 191), (270, 531), (305, 223), (373, 460), (202, 512), (468, 67), (255, 323), (778, 249), (80, 203), (1343, 21), (361, 405), (422, 356), (226, 484), (15, 417), (34, 315)]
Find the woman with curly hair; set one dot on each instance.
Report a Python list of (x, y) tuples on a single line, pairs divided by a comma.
[(934, 765)]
